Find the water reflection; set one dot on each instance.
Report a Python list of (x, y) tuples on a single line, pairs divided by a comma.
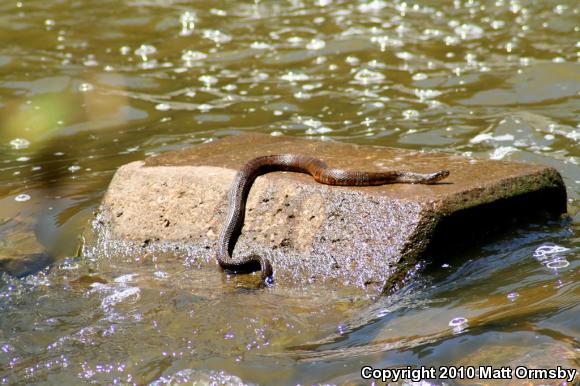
[(84, 90)]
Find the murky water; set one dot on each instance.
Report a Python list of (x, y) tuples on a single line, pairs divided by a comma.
[(87, 86)]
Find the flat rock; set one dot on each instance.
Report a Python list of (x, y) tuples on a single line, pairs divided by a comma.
[(175, 204)]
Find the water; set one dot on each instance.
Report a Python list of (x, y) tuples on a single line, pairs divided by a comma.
[(88, 86)]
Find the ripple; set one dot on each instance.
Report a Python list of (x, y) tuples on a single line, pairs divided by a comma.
[(559, 263)]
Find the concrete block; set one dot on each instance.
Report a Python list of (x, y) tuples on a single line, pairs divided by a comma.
[(174, 205)]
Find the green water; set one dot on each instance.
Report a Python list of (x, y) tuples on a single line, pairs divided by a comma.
[(87, 86)]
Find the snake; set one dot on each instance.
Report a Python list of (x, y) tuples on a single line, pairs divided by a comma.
[(318, 169)]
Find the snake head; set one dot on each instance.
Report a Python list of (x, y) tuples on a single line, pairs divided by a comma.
[(437, 176)]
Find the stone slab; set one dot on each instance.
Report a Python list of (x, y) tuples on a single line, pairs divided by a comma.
[(174, 204)]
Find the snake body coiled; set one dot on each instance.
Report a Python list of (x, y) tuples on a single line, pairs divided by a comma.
[(293, 163)]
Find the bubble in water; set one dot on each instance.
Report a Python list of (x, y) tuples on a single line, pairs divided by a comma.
[(294, 76), (560, 9), (160, 275), (74, 168), (22, 197), (187, 20), (84, 87), (386, 41), (189, 57), (204, 107), (352, 60), (260, 77), (144, 51), (19, 143), (295, 40), (260, 46), (383, 312), (458, 324), (372, 6), (513, 296), (216, 36), (497, 24), (558, 263), (208, 80), (365, 76), (162, 107), (410, 114), (341, 329), (316, 44), (310, 122), (218, 12), (404, 55), (545, 250), (320, 130), (419, 76), (469, 31), (427, 93)]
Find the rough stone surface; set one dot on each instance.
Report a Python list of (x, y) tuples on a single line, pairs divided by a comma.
[(175, 204)]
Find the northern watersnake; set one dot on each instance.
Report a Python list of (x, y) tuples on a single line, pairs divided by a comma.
[(300, 164)]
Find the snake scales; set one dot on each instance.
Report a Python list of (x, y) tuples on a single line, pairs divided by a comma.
[(300, 164)]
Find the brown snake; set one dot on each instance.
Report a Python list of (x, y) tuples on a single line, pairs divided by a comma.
[(300, 164)]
